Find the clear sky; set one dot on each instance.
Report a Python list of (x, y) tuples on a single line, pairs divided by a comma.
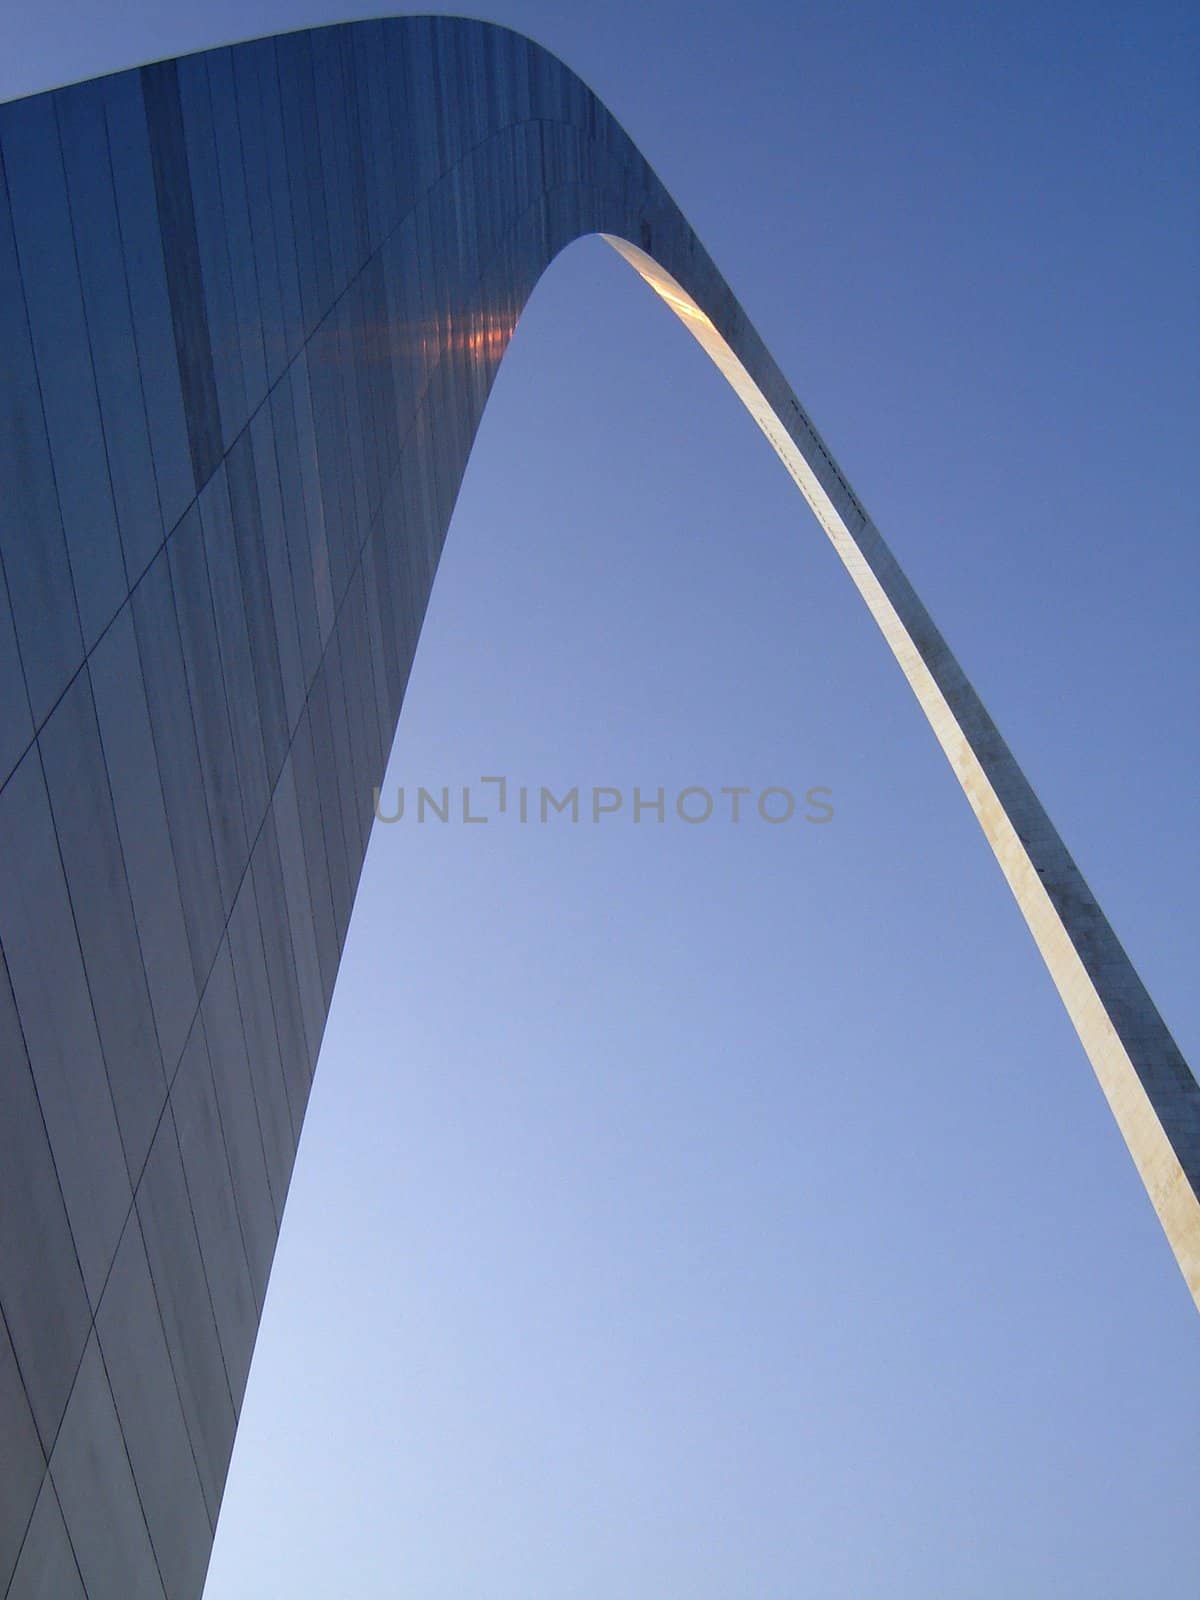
[(725, 1211)]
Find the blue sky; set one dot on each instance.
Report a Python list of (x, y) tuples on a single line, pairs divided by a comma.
[(731, 1211)]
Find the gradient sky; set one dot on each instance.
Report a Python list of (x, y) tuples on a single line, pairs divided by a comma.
[(727, 1212)]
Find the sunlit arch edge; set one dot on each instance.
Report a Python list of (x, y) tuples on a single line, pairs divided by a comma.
[(1146, 1081)]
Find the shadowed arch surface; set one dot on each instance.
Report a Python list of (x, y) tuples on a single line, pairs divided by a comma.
[(251, 305)]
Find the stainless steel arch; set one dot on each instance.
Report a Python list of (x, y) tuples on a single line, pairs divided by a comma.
[(251, 304)]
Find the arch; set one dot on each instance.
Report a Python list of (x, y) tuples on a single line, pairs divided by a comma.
[(252, 303)]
